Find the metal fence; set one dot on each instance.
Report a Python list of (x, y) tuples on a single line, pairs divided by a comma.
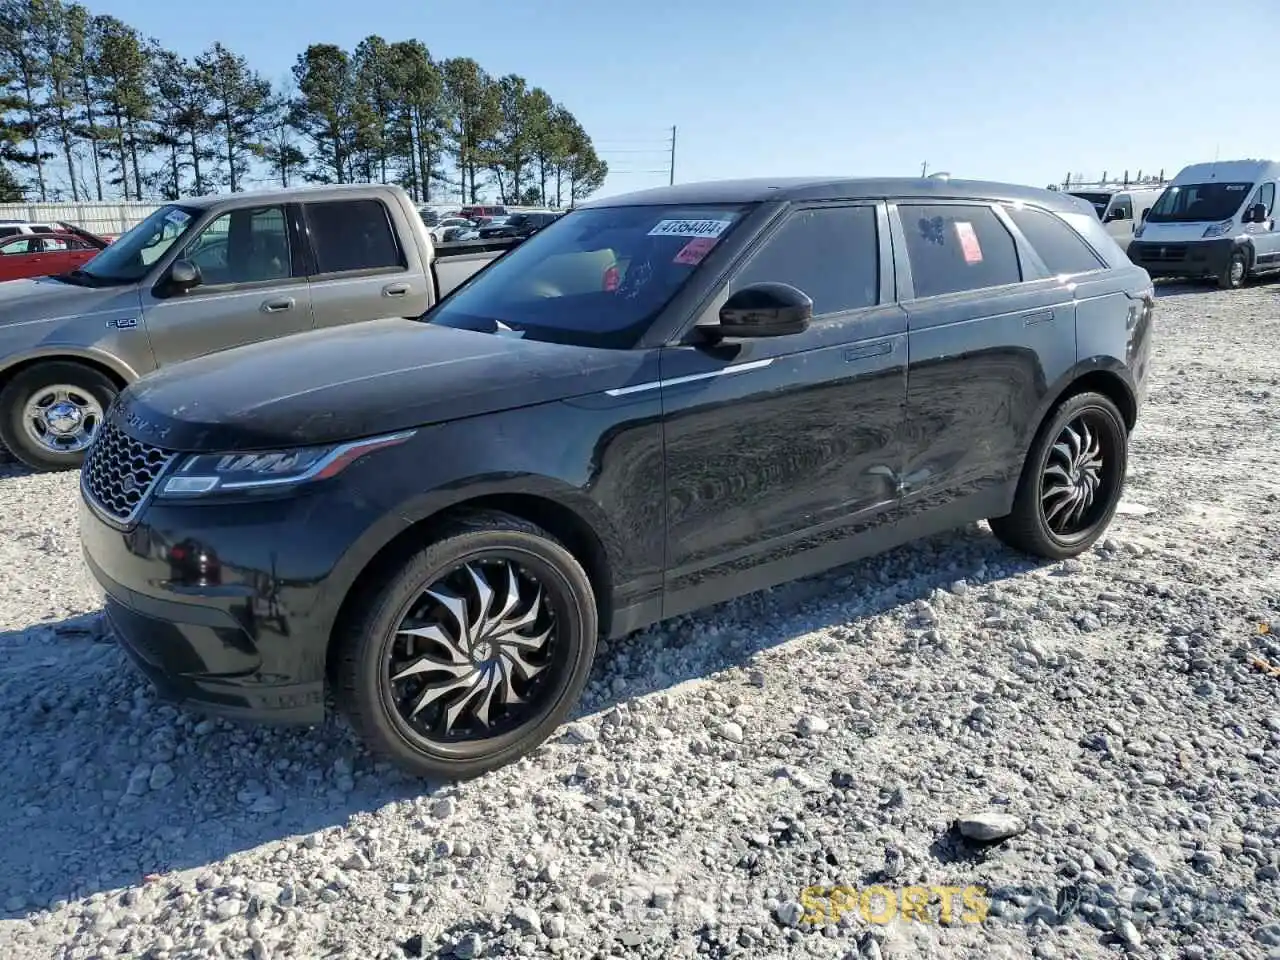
[(110, 217)]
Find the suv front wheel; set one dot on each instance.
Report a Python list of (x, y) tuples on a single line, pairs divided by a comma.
[(1071, 482), (474, 651)]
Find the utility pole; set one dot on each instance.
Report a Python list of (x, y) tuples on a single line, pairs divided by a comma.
[(672, 180)]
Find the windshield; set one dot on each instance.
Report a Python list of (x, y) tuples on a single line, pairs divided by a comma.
[(132, 255), (1099, 201), (594, 278), (1199, 202)]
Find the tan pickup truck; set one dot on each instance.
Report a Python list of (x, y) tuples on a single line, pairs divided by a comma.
[(204, 275)]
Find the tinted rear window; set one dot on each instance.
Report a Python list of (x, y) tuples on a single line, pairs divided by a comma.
[(954, 247), (349, 235)]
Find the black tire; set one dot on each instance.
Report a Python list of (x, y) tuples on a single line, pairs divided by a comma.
[(29, 382), (1235, 274), (366, 645), (1028, 527)]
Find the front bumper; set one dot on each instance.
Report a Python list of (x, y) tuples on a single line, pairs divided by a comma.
[(1194, 258), (223, 607)]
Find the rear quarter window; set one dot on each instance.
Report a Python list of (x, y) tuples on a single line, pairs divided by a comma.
[(1058, 245)]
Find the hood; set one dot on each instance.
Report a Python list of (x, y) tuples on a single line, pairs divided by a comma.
[(43, 298), (1181, 232), (360, 380)]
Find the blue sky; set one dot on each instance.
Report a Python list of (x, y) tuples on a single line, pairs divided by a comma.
[(1013, 90)]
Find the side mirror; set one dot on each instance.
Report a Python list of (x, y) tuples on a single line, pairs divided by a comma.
[(1145, 213), (765, 310), (184, 275), (1119, 213), (1256, 214)]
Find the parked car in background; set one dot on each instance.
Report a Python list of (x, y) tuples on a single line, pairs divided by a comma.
[(441, 230), (429, 216), (474, 211), (1214, 220), (44, 254), (1121, 208), (524, 224), (15, 228), (659, 402), (201, 276)]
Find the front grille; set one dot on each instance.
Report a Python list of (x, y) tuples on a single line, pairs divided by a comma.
[(119, 472), (1155, 253)]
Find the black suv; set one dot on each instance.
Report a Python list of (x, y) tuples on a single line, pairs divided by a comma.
[(660, 401), (519, 225)]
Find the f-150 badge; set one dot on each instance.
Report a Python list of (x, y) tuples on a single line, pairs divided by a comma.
[(127, 323)]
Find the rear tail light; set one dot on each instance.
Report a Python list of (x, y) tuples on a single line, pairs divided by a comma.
[(611, 279)]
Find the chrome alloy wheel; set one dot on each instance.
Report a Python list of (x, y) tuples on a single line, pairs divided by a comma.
[(469, 658), (1073, 475), (61, 418)]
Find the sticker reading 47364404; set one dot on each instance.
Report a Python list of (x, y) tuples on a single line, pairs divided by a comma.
[(689, 228)]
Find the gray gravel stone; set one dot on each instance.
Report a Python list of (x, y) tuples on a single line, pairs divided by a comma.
[(987, 826)]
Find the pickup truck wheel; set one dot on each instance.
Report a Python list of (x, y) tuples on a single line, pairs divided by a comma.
[(473, 652), (1071, 481), (51, 412)]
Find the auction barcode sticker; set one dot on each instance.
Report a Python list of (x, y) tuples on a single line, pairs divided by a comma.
[(689, 228)]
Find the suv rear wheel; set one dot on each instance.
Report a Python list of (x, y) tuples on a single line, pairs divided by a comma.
[(1071, 482), (51, 412), (474, 651)]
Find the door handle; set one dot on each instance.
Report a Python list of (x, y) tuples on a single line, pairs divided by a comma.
[(395, 290), (870, 350), (277, 306), (1041, 316)]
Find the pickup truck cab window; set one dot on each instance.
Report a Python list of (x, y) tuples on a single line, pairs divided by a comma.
[(242, 246), (352, 235), (954, 247), (249, 245), (830, 253), (596, 277)]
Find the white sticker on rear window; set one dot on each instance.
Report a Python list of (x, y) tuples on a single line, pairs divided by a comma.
[(689, 228), (177, 216)]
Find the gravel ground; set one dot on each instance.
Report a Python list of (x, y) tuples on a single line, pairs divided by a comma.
[(1104, 716)]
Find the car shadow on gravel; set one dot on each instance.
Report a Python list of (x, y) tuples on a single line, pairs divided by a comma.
[(1181, 288), (104, 787), (11, 469), (733, 633)]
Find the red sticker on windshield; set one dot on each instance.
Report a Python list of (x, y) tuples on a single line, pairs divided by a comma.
[(968, 242), (693, 251)]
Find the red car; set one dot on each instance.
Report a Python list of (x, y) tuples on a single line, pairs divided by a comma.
[(44, 254)]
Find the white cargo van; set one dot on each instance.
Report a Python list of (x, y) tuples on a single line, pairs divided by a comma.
[(1120, 207), (1213, 220)]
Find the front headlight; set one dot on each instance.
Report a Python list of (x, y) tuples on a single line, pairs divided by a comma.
[(204, 473), (1218, 229)]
